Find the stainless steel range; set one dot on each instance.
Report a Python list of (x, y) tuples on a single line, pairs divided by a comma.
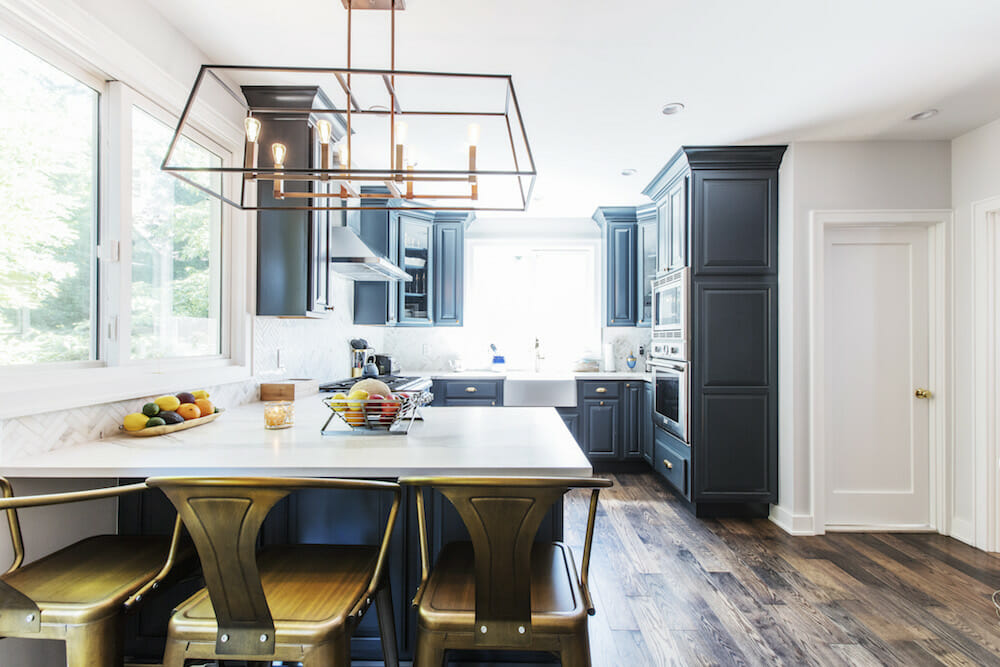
[(395, 382)]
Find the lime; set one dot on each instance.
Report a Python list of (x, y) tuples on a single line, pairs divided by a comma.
[(151, 409), (155, 421)]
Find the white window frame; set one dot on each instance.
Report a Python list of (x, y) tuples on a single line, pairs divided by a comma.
[(39, 388)]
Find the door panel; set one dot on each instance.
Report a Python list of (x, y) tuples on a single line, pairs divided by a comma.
[(876, 354)]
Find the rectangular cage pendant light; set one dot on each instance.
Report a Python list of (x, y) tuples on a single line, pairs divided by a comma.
[(319, 138)]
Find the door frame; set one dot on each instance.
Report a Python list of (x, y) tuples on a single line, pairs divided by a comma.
[(939, 223), (986, 374)]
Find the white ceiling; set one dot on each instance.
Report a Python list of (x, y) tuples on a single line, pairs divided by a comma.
[(591, 76)]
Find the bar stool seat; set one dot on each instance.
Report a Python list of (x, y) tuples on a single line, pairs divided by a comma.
[(91, 579), (310, 590), (556, 596)]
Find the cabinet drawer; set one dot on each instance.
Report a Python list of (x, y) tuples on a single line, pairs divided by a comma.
[(595, 389), (469, 402), (471, 389), (673, 466)]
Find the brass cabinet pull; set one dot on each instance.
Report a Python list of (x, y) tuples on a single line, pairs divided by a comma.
[(601, 390), (670, 466), (471, 390), (922, 393), (493, 402), (602, 402)]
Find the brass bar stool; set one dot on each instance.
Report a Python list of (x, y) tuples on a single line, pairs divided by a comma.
[(504, 590), (79, 593), (297, 602)]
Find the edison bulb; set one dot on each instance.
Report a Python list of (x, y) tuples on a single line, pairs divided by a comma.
[(473, 134), (252, 126), (411, 155), (401, 131), (324, 128), (278, 151)]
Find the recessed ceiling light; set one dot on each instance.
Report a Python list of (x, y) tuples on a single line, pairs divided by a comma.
[(924, 115), (628, 172), (672, 108)]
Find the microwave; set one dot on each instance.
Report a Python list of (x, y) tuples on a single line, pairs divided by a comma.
[(671, 308)]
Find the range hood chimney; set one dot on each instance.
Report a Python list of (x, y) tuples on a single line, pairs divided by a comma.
[(352, 258)]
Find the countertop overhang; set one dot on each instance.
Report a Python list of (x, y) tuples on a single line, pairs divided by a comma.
[(463, 441)]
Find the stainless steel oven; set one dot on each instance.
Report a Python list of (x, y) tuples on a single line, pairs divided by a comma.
[(671, 308), (670, 396)]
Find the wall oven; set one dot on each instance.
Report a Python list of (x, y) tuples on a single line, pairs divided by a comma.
[(671, 308), (670, 396)]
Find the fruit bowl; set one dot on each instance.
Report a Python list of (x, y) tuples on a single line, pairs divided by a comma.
[(171, 428), (376, 415)]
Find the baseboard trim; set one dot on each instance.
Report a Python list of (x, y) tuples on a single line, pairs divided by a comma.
[(880, 528), (793, 524), (963, 530)]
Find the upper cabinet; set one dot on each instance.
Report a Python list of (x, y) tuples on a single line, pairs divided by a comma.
[(416, 257), (293, 277), (619, 270), (430, 247), (647, 262)]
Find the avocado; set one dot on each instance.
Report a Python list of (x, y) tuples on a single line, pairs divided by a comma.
[(155, 421), (171, 417)]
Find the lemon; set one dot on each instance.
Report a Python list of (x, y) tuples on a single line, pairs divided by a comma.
[(201, 393), (135, 421), (339, 401), (168, 403), (356, 399)]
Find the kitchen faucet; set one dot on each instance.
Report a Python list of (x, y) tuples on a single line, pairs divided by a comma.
[(538, 355)]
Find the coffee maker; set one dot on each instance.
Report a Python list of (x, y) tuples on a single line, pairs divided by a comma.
[(361, 354)]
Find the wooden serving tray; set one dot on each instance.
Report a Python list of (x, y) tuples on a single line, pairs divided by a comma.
[(170, 428)]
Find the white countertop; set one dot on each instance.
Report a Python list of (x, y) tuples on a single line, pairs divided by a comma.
[(637, 374), (450, 441)]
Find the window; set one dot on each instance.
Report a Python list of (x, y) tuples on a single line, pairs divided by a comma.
[(176, 300), (48, 223), (526, 291)]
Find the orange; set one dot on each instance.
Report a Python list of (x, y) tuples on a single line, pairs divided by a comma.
[(188, 411), (205, 406)]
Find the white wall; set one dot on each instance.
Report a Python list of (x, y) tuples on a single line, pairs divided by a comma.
[(975, 158), (823, 176)]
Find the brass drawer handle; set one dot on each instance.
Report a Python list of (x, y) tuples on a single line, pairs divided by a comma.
[(471, 390), (601, 390), (670, 466)]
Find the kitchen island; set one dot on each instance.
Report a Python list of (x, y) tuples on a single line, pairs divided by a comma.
[(464, 441)]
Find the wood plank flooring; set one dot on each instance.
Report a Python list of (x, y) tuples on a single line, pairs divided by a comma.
[(671, 589)]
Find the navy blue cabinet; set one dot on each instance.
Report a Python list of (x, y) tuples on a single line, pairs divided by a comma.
[(726, 201), (646, 446), (612, 421), (416, 257), (377, 302), (618, 270), (468, 392), (647, 262), (571, 417), (601, 428), (448, 271), (633, 404)]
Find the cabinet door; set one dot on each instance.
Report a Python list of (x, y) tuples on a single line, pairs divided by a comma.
[(319, 263), (662, 237), (449, 239), (648, 250), (647, 423), (632, 428), (676, 203), (735, 222), (621, 274), (571, 417), (416, 256), (601, 429)]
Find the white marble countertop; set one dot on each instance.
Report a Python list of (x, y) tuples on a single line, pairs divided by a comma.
[(450, 441), (637, 374)]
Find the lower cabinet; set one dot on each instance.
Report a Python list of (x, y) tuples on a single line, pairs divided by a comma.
[(468, 392), (672, 459), (612, 421)]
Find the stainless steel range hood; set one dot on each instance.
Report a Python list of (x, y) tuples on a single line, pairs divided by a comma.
[(351, 258)]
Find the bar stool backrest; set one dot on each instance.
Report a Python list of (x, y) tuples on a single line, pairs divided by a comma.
[(502, 515), (224, 517)]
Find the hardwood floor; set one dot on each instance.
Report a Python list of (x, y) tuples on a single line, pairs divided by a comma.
[(672, 589)]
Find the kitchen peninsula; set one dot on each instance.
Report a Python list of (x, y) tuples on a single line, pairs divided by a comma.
[(464, 441)]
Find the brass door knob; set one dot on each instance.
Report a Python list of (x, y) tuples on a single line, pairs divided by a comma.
[(670, 466), (922, 393)]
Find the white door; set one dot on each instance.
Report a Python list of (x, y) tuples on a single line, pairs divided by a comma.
[(877, 354)]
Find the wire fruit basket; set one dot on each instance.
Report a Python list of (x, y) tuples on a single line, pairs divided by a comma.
[(379, 416)]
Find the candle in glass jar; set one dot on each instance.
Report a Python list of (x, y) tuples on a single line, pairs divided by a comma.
[(279, 414)]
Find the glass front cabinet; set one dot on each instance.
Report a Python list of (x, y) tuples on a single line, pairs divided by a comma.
[(416, 248)]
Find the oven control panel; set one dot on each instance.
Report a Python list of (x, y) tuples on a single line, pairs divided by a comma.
[(669, 350)]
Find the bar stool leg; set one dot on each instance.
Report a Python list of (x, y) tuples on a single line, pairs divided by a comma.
[(429, 653), (95, 644), (386, 625), (173, 656), (576, 649)]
